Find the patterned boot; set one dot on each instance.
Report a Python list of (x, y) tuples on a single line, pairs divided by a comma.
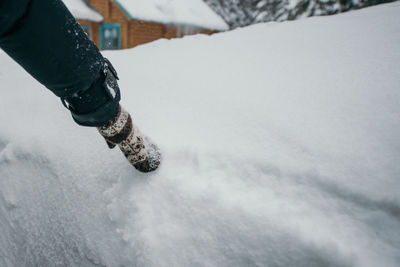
[(139, 150)]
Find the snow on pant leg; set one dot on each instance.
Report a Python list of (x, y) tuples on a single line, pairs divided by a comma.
[(45, 39)]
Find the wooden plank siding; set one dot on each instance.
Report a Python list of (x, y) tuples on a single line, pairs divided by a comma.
[(141, 32), (116, 15), (135, 32), (102, 6)]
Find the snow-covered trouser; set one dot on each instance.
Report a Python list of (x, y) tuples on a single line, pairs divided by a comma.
[(45, 39)]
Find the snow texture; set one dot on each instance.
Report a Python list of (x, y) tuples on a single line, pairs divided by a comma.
[(280, 148), (80, 10), (190, 12)]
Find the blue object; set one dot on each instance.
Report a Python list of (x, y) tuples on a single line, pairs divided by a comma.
[(113, 41)]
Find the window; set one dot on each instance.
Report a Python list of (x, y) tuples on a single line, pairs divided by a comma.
[(86, 29), (110, 36)]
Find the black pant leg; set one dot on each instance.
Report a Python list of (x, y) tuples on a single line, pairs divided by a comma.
[(45, 39)]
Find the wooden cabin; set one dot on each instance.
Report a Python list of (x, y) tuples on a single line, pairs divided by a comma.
[(120, 24)]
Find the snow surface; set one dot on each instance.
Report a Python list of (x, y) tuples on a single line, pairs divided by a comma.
[(280, 148), (80, 10), (191, 12)]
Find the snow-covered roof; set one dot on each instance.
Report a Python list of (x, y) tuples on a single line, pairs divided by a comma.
[(81, 10), (191, 12)]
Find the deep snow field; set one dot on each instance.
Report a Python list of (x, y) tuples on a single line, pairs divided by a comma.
[(280, 141)]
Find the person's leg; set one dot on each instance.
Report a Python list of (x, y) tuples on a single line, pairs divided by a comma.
[(45, 39)]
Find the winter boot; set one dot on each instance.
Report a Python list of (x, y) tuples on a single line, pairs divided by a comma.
[(138, 149)]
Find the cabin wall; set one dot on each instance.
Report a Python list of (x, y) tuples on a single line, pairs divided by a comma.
[(116, 15), (112, 14), (135, 32), (141, 32), (177, 31), (170, 32), (102, 6)]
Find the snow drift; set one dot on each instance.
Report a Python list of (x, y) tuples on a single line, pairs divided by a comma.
[(280, 148)]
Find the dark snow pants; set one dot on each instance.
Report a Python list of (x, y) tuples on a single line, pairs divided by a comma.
[(45, 39)]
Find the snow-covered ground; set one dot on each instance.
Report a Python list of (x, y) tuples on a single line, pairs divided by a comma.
[(280, 148)]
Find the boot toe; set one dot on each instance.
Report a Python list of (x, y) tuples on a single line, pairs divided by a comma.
[(153, 158)]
